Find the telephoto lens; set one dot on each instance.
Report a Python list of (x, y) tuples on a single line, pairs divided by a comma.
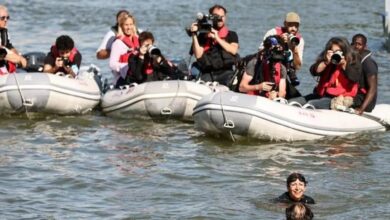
[(336, 57), (153, 50), (294, 40)]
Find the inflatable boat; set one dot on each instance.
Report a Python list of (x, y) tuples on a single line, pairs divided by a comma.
[(240, 115), (48, 93), (169, 99)]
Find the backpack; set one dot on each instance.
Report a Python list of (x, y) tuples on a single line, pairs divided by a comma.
[(239, 71)]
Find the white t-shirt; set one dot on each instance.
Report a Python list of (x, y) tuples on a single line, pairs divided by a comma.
[(108, 40)]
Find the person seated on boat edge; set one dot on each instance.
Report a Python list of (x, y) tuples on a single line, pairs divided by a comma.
[(265, 73), (148, 64), (6, 66), (339, 70), (296, 187), (104, 50), (12, 55), (63, 57), (215, 46), (299, 211), (294, 44), (365, 99), (123, 47)]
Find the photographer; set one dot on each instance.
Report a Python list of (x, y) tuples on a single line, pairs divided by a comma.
[(265, 74), (294, 43), (339, 70), (148, 64), (63, 57), (12, 54), (215, 49)]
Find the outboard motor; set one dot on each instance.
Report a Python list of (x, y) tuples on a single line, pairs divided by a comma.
[(35, 61)]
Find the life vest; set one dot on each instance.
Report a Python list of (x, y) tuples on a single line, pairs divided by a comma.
[(215, 58), (335, 83), (222, 33), (268, 75), (281, 30), (7, 68), (56, 54), (132, 43)]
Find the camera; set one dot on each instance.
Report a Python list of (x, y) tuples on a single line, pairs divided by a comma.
[(274, 51), (336, 57), (65, 61), (3, 53), (205, 23), (293, 39), (277, 55), (153, 50)]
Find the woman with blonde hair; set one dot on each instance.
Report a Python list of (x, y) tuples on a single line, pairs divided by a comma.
[(123, 47)]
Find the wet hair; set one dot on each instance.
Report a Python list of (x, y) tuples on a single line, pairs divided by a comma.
[(356, 36), (295, 176), (144, 36), (299, 211), (217, 7), (349, 54), (64, 42)]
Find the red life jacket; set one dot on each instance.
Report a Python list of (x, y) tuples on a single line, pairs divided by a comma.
[(10, 68), (269, 76), (281, 30), (336, 84), (149, 69), (132, 43), (56, 54), (222, 33)]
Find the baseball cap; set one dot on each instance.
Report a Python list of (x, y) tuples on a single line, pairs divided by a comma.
[(292, 17)]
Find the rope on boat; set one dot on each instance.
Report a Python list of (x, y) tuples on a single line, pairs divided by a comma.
[(25, 102), (229, 124)]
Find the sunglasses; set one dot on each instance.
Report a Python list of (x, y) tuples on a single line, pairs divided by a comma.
[(2, 18)]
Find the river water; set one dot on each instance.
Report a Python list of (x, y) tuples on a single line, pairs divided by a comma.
[(95, 167)]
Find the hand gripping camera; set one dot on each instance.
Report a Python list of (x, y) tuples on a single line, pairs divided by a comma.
[(205, 23)]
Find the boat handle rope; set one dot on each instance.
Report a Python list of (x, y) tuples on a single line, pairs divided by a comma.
[(229, 124), (166, 111), (25, 102)]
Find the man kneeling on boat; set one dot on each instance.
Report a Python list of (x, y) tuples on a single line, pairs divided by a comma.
[(265, 74), (63, 57)]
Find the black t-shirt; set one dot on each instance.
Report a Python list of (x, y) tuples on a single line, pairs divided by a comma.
[(231, 37), (370, 68), (285, 198)]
